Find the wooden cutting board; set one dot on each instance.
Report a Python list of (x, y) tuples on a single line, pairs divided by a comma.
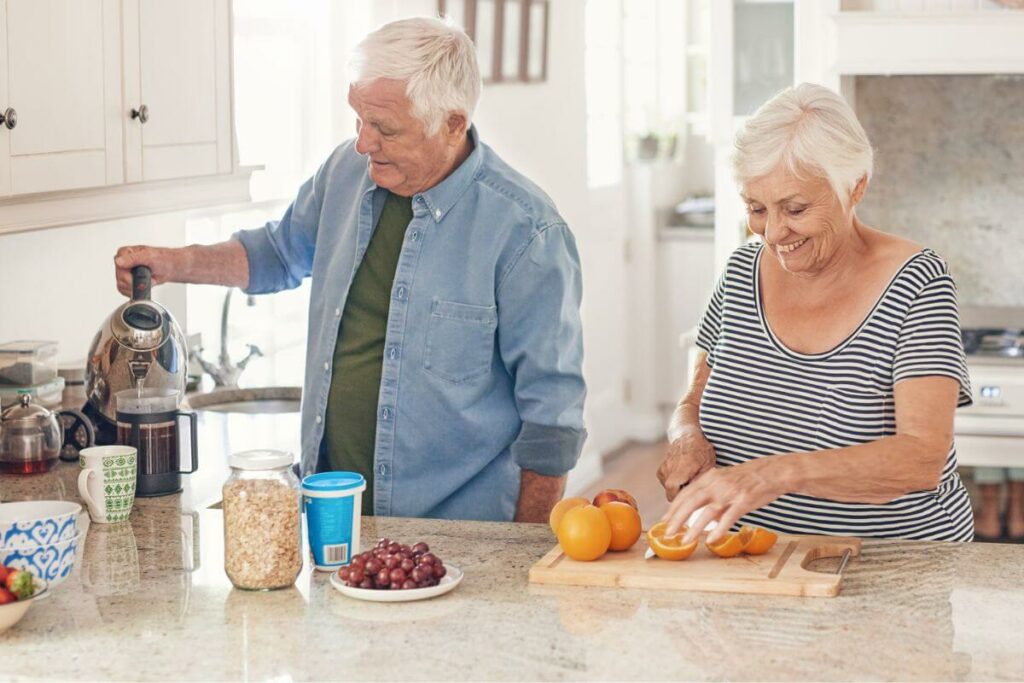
[(781, 571)]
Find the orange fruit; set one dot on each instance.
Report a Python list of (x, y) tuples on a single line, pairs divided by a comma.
[(625, 522), (611, 495), (669, 547), (561, 507), (584, 533), (733, 543), (760, 540)]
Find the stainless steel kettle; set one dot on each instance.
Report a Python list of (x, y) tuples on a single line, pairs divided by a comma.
[(139, 346)]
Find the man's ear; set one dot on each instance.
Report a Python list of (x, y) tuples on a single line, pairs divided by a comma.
[(455, 127)]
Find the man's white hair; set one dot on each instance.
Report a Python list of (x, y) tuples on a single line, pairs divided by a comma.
[(436, 59), (808, 129)]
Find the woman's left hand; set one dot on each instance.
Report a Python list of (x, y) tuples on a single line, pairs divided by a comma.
[(726, 494)]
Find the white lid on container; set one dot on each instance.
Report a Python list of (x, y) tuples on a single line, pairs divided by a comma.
[(261, 460)]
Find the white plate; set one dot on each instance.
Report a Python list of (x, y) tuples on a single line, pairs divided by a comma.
[(446, 584)]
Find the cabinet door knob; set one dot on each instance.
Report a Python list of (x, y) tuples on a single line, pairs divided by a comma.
[(142, 114), (9, 118)]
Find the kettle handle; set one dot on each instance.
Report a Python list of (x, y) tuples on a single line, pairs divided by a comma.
[(142, 283)]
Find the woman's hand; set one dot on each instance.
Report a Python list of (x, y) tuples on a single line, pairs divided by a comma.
[(726, 494), (689, 456)]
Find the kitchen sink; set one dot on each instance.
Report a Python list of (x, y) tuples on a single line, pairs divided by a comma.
[(259, 400)]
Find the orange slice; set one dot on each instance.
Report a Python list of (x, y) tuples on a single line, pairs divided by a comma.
[(733, 543), (760, 540), (669, 547)]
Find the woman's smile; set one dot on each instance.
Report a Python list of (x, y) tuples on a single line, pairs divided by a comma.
[(792, 246)]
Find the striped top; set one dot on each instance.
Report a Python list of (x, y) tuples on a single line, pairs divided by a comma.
[(763, 399)]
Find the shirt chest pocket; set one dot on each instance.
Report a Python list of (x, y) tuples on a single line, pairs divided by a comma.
[(459, 341), (850, 415)]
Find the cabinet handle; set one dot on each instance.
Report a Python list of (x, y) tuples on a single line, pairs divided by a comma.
[(9, 118), (142, 114)]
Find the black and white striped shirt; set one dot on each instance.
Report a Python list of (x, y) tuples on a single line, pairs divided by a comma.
[(763, 399)]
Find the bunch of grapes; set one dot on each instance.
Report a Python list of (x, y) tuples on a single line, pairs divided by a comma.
[(394, 566)]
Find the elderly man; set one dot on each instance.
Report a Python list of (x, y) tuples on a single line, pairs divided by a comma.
[(444, 352)]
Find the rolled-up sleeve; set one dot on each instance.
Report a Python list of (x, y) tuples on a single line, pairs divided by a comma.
[(540, 339), (281, 252)]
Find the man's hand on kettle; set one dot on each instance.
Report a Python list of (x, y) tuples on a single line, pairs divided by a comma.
[(160, 261), (689, 455)]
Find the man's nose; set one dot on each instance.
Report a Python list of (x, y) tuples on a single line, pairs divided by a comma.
[(366, 140)]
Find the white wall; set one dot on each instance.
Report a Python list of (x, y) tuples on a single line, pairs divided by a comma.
[(58, 284)]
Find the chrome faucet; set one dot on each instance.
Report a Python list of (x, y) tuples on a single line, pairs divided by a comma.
[(226, 373)]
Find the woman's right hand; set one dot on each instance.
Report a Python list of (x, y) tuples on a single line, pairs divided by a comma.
[(689, 455)]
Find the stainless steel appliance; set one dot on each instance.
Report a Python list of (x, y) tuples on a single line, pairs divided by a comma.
[(990, 433), (139, 346), (149, 420)]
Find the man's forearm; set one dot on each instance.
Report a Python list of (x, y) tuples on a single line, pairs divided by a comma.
[(225, 263), (537, 495)]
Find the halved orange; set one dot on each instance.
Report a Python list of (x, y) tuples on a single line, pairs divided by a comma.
[(669, 547), (563, 506), (732, 544), (760, 540)]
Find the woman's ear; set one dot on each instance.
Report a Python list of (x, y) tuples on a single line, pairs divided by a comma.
[(859, 190)]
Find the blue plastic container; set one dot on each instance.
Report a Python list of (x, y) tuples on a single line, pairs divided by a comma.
[(333, 502)]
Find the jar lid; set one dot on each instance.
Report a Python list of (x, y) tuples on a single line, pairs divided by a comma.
[(261, 460), (333, 481)]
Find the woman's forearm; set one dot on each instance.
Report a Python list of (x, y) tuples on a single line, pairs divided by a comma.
[(875, 472)]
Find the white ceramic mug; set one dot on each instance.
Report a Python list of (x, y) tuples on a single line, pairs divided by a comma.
[(107, 482)]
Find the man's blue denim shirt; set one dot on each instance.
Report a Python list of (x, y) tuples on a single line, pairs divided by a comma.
[(482, 373)]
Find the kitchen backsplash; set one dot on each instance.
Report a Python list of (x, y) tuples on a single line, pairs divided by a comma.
[(949, 173)]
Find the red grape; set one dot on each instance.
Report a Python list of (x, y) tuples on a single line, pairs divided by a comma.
[(366, 583), (383, 578), (439, 571), (421, 548), (343, 573), (356, 574), (407, 565), (420, 574), (392, 561), (373, 566), (398, 575), (409, 584), (428, 558)]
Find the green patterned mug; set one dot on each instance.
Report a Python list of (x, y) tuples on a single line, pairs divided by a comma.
[(107, 482)]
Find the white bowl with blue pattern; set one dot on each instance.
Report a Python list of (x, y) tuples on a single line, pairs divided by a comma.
[(38, 522), (52, 562)]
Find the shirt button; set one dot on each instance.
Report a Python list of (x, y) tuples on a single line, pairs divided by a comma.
[(393, 353), (327, 366), (419, 198), (319, 419), (414, 235), (401, 292), (383, 469), (385, 413), (337, 312), (437, 214)]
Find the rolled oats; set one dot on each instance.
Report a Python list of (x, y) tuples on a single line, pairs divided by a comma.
[(262, 533)]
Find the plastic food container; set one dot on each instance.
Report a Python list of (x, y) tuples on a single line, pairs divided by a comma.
[(334, 506), (48, 395), (262, 521), (27, 362)]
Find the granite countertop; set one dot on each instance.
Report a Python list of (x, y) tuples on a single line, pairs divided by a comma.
[(150, 600)]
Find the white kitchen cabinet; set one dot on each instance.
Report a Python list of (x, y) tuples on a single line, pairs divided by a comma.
[(123, 108), (60, 75), (176, 66)]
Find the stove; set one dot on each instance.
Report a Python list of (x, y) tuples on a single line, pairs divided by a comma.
[(991, 432)]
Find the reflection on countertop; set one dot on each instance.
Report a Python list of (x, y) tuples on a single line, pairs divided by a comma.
[(150, 600)]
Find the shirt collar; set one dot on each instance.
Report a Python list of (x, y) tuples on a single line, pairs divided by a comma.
[(442, 197)]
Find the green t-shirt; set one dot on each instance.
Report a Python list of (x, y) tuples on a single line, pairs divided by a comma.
[(351, 428)]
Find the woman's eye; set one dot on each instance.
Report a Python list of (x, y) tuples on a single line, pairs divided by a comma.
[(795, 212), (753, 210)]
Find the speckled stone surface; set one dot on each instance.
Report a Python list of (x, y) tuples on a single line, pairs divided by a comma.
[(949, 167), (150, 600)]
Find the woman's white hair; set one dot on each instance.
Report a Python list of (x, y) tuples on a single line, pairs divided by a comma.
[(810, 130), (436, 59)]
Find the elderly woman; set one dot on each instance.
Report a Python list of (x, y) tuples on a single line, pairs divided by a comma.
[(832, 361)]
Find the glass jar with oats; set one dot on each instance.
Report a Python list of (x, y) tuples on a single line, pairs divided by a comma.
[(262, 521)]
